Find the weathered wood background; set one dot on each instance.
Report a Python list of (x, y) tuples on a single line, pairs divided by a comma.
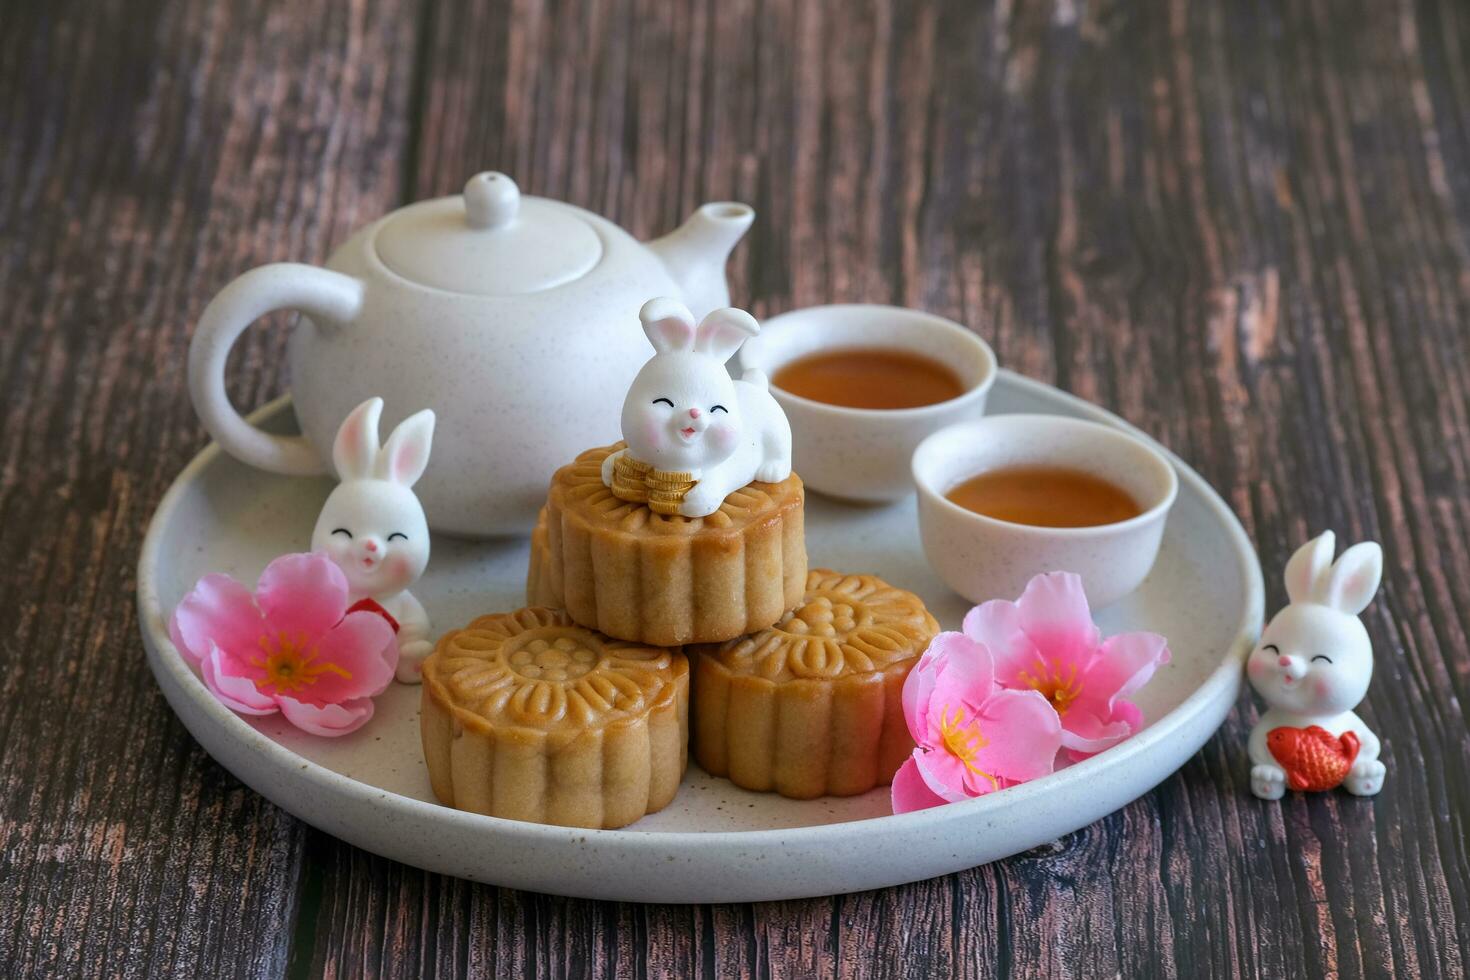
[(1245, 226)]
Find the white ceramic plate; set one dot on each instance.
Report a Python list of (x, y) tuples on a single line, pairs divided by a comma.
[(714, 843)]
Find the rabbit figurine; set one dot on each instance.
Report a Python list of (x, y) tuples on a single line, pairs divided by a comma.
[(1312, 667), (373, 526), (683, 412)]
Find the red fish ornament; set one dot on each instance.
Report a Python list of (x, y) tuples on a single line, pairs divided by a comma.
[(1312, 668), (1311, 757)]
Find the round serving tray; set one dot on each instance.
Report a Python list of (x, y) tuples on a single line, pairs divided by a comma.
[(715, 842)]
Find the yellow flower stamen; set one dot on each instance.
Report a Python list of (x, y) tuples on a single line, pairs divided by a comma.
[(290, 664), (1060, 690), (963, 741)]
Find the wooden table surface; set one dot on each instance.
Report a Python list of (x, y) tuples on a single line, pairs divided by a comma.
[(1244, 226)]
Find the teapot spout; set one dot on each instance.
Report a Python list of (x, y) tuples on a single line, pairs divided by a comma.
[(695, 253)]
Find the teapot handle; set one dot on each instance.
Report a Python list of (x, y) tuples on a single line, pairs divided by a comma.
[(319, 293)]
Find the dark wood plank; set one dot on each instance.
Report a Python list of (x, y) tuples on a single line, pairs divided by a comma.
[(149, 151), (1245, 227)]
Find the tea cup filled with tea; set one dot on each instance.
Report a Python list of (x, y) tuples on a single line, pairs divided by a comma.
[(1004, 498), (863, 385)]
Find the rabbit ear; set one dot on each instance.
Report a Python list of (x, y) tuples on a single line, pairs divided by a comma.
[(356, 447), (1354, 578), (723, 331), (406, 453), (668, 324), (1305, 570)]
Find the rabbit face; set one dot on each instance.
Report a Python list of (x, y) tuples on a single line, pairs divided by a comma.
[(1315, 656), (376, 533), (680, 415), (372, 524), (1312, 660)]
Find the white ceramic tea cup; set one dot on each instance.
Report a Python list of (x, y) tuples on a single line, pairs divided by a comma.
[(984, 558), (863, 453)]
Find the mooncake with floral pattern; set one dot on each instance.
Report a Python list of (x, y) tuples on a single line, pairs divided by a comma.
[(811, 706), (528, 716)]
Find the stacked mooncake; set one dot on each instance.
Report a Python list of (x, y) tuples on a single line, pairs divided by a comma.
[(797, 676), (619, 567)]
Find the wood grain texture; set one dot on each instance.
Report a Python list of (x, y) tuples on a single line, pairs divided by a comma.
[(1245, 227), (149, 152)]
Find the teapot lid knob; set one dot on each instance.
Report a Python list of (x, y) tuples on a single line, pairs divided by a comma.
[(489, 241), (491, 200)]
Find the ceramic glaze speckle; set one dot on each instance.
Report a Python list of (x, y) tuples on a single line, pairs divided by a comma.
[(522, 294), (371, 788), (1312, 667), (983, 558), (857, 453)]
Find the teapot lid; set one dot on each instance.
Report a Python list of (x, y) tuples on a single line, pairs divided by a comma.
[(490, 241)]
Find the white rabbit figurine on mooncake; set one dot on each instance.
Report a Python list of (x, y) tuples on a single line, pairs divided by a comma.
[(1312, 667), (684, 414), (373, 526)]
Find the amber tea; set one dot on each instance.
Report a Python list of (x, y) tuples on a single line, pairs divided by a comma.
[(1045, 496), (870, 377)]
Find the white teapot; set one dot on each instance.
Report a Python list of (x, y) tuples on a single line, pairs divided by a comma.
[(514, 318)]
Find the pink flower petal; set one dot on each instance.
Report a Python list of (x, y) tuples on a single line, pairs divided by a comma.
[(176, 637), (302, 594), (918, 690), (218, 610), (951, 706), (964, 667), (1129, 713), (328, 720), (910, 792), (1086, 733), (1022, 735), (1124, 664), (233, 691), (1054, 613), (997, 625), (1125, 713), (390, 653), (943, 774), (354, 653)]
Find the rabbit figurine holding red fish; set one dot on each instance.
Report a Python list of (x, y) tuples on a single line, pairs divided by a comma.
[(1312, 667)]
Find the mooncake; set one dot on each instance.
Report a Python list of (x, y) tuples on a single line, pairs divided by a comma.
[(618, 567), (811, 706), (528, 716)]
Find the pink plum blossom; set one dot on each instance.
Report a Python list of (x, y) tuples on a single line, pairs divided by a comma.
[(973, 737), (1047, 642), (292, 647)]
